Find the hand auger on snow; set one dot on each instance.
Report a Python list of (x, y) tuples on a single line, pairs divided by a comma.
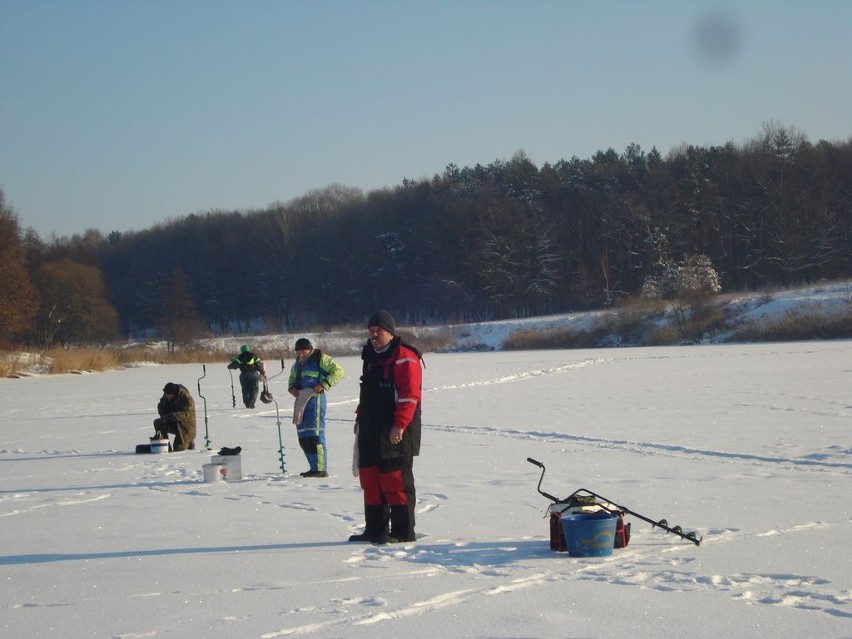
[(206, 433), (278, 423), (233, 397), (584, 492)]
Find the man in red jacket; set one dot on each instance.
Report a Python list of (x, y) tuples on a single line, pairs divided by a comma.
[(388, 430)]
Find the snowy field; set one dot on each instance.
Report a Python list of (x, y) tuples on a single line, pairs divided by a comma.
[(749, 445)]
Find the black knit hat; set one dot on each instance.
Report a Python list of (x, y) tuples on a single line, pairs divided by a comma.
[(303, 342), (384, 320), (170, 389)]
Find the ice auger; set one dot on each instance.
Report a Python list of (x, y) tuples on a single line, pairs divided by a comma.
[(586, 497)]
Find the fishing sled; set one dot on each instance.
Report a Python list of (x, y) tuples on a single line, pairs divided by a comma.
[(585, 502)]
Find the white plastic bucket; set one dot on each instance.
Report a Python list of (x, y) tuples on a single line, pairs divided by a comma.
[(213, 473), (232, 466), (159, 446)]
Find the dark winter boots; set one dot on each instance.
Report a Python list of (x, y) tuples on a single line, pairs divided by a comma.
[(376, 528), (402, 528), (377, 519)]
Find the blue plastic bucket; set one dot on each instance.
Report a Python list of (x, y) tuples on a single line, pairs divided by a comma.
[(589, 534)]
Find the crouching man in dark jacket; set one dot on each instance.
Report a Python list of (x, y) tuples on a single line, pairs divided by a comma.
[(177, 416)]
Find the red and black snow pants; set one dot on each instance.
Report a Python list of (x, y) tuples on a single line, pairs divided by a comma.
[(390, 485)]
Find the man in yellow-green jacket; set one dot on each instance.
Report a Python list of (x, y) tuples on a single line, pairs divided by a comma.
[(310, 377)]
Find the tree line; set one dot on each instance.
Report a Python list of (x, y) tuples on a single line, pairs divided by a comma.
[(495, 241)]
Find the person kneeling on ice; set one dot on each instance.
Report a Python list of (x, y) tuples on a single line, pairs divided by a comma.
[(177, 417), (310, 377)]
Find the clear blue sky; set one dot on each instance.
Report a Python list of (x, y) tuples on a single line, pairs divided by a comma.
[(119, 114)]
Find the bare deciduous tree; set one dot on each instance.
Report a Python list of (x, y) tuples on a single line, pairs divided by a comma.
[(18, 301), (74, 307), (178, 321)]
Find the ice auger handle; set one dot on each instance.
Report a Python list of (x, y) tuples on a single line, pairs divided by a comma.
[(540, 465)]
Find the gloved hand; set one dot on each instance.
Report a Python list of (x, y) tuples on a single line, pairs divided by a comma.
[(225, 451), (159, 423)]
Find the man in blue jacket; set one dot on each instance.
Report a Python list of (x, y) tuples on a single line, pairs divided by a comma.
[(310, 377)]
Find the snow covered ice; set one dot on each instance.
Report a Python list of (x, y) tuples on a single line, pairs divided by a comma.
[(749, 445)]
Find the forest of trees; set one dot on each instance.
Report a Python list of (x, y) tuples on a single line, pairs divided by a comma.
[(503, 240)]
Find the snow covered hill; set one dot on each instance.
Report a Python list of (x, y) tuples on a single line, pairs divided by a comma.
[(484, 336)]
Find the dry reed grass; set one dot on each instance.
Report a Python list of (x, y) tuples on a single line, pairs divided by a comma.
[(634, 322), (799, 324), (69, 360)]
